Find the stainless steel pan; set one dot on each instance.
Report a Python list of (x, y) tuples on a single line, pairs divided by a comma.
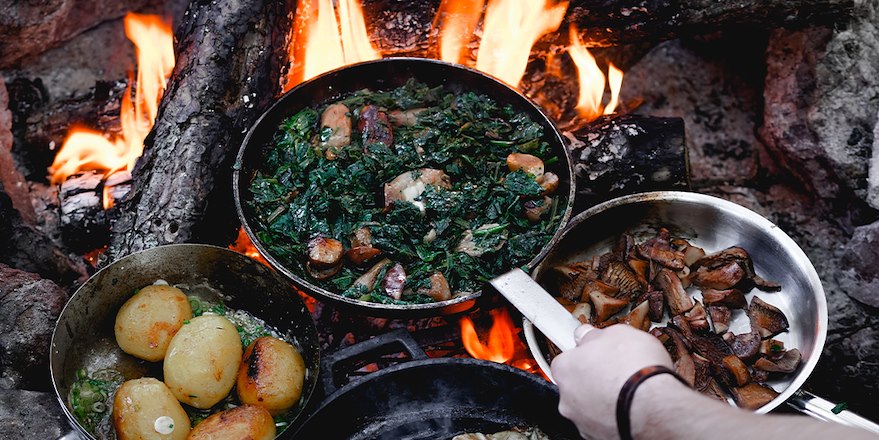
[(713, 224), (84, 336)]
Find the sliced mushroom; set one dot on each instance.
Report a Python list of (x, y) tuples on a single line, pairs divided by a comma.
[(549, 182), (703, 373), (336, 120), (374, 126), (605, 306), (394, 281), (572, 278), (709, 345), (787, 364), (410, 185), (620, 275), (566, 303), (732, 298), (720, 316), (324, 252), (753, 395), (637, 317), (737, 369), (772, 349), (697, 317), (598, 286), (362, 255), (535, 209), (655, 302), (368, 279), (471, 247), (768, 319), (720, 278), (764, 285), (659, 250), (583, 312), (675, 296), (684, 364), (759, 376), (405, 118), (439, 287), (323, 273), (746, 345), (714, 390), (361, 236), (692, 254), (527, 163), (641, 269)]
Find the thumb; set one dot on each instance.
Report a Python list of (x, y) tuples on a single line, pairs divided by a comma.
[(581, 333)]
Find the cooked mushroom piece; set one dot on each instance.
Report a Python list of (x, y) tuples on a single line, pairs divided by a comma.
[(659, 250), (772, 349), (720, 316), (583, 312), (439, 287), (675, 296), (656, 304), (405, 118), (703, 373), (361, 236), (697, 317), (746, 345), (714, 390), (605, 306), (535, 209), (527, 163), (753, 395), (619, 274), (572, 278), (374, 126), (566, 303), (684, 364), (787, 364), (637, 317), (472, 242), (361, 255), (323, 273), (768, 319), (394, 281), (732, 298), (720, 278), (598, 286), (737, 369), (692, 254), (324, 252), (410, 185), (549, 182), (368, 279), (335, 123), (709, 345)]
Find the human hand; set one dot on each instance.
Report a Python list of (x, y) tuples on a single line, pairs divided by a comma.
[(591, 375)]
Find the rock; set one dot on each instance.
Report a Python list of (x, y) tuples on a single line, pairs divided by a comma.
[(30, 415), (29, 307), (822, 98), (12, 180), (708, 85), (30, 27), (860, 265)]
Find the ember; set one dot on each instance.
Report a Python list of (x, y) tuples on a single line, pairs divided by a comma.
[(503, 344)]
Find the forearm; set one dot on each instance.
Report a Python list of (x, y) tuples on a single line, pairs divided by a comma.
[(663, 409)]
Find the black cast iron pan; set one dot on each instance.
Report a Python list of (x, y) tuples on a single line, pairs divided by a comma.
[(431, 398), (386, 74), (84, 336)]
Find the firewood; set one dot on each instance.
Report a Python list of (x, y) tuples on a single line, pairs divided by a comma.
[(614, 156), (230, 57)]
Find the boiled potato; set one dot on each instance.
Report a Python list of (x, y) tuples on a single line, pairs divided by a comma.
[(271, 375), (148, 320), (144, 409), (247, 422), (202, 360)]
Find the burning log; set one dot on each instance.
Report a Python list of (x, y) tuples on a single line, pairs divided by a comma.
[(230, 56), (614, 156), (85, 222)]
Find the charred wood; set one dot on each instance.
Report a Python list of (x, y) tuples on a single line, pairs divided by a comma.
[(626, 154), (230, 56), (85, 224)]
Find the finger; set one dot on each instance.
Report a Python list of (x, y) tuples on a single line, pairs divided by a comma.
[(581, 332)]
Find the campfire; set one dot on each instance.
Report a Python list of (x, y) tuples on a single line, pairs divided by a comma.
[(654, 97)]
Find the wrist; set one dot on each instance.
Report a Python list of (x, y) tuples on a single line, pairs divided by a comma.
[(655, 400)]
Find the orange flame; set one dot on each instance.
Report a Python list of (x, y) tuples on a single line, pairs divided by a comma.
[(511, 27), (592, 81), (501, 345), (243, 245), (85, 149), (330, 42), (458, 20)]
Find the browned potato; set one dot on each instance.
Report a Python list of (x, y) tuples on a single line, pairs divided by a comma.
[(271, 375), (527, 163), (246, 422), (202, 361), (146, 322), (144, 409)]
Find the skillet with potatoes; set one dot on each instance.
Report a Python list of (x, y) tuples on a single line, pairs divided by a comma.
[(223, 349)]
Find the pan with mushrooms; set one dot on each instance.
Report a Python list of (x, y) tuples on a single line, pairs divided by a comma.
[(735, 301), (405, 189)]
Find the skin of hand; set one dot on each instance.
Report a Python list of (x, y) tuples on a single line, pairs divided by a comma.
[(591, 375)]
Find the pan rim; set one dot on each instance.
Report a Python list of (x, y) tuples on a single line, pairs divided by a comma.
[(456, 304), (777, 233)]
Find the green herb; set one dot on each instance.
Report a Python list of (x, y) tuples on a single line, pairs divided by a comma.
[(840, 407), (90, 396), (775, 348), (299, 194)]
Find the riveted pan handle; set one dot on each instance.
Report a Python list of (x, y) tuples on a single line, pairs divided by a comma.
[(822, 409), (391, 342)]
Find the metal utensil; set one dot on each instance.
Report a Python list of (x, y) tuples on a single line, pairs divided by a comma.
[(715, 224)]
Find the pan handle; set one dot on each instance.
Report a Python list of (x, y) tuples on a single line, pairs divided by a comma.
[(391, 342), (812, 405)]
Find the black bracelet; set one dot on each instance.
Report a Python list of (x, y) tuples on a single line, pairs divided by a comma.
[(627, 394)]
